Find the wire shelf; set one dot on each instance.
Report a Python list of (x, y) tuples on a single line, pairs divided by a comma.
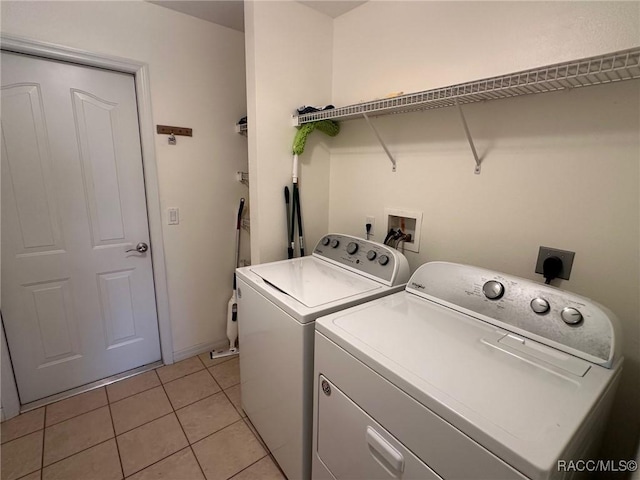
[(602, 69)]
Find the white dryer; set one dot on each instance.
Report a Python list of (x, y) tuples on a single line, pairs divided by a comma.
[(278, 304), (468, 374)]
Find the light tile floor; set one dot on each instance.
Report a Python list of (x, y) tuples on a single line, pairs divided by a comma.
[(178, 422)]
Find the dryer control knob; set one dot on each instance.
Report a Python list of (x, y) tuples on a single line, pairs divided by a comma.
[(326, 241), (371, 255), (571, 316), (383, 260), (334, 243), (539, 305), (352, 248), (493, 290)]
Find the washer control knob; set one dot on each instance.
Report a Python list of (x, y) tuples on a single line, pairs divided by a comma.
[(571, 316), (352, 248), (326, 241), (334, 243), (493, 290), (371, 255), (539, 305), (383, 260)]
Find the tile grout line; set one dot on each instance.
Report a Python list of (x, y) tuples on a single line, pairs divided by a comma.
[(21, 436), (154, 463), (230, 401), (273, 459), (124, 433), (193, 452), (214, 378), (164, 415), (77, 415), (84, 449), (30, 473), (133, 394), (245, 468), (181, 376), (76, 453), (115, 437), (247, 421), (189, 445), (44, 432)]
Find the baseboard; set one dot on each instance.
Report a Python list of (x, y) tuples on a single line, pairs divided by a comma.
[(198, 349)]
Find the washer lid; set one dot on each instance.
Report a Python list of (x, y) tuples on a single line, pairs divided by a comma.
[(314, 282)]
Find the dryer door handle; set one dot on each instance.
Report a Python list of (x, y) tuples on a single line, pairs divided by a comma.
[(384, 453)]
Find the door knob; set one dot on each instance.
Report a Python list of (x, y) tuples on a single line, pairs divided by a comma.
[(140, 248)]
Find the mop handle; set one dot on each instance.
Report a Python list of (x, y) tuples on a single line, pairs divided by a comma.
[(289, 236), (238, 226), (296, 203), (295, 169)]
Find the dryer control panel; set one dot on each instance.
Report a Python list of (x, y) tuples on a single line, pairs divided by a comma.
[(560, 319), (371, 259)]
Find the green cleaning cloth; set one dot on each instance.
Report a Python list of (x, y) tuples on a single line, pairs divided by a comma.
[(328, 127)]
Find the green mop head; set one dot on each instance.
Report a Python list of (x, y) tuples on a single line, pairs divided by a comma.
[(328, 127)]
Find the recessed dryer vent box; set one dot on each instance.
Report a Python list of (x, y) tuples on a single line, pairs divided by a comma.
[(407, 221)]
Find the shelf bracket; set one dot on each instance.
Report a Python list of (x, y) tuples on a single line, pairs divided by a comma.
[(469, 139), (393, 160)]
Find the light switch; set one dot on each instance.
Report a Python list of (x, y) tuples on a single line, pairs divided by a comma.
[(174, 216)]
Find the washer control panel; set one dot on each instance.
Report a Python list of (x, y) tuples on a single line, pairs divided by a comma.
[(372, 259), (561, 319)]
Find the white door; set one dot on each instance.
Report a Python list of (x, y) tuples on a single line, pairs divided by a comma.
[(77, 307)]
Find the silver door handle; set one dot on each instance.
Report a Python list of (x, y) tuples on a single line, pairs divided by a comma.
[(140, 248)]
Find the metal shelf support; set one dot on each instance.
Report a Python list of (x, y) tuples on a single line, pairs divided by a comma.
[(393, 160), (469, 139)]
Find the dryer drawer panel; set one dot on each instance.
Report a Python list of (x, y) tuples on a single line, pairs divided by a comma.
[(351, 444), (448, 452)]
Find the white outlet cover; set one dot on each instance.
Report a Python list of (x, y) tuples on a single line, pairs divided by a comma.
[(413, 246)]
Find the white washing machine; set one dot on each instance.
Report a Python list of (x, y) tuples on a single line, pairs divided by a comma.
[(277, 306), (468, 374)]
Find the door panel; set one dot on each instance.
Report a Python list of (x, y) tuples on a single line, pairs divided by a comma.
[(50, 305), (29, 164), (76, 306), (94, 121)]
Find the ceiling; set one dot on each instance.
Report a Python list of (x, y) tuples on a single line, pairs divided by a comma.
[(230, 13)]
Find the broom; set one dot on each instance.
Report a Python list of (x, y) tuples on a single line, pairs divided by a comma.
[(329, 127)]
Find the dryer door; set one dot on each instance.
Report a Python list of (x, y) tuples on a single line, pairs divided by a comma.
[(351, 444)]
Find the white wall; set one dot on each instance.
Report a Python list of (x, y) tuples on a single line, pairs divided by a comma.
[(288, 65), (197, 80), (560, 170)]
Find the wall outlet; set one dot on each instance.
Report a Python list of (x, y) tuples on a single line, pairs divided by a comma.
[(564, 255), (409, 222)]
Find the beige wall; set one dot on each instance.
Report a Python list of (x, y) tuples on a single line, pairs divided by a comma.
[(288, 65), (197, 81), (560, 170)]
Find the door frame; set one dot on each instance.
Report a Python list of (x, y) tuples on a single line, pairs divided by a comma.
[(140, 71)]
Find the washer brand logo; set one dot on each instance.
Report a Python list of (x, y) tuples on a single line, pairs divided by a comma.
[(417, 285)]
